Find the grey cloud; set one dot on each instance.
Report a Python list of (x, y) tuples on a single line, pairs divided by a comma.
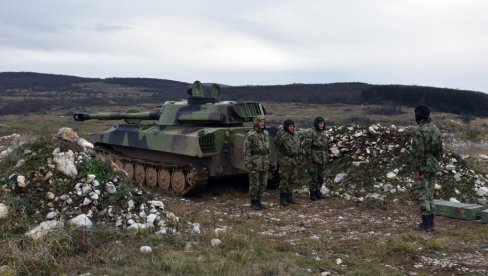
[(106, 28)]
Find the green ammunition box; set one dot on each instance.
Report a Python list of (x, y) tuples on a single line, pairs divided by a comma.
[(484, 216), (466, 211)]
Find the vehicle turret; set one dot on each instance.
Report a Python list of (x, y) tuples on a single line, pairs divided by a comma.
[(191, 141)]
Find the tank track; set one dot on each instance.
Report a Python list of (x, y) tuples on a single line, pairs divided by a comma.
[(165, 178)]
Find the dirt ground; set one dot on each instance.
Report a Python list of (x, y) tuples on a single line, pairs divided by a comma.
[(347, 233)]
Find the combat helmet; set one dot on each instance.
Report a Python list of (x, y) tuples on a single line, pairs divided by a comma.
[(287, 123), (422, 113), (317, 121)]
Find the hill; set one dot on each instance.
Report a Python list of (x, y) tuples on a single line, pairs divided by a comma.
[(23, 92)]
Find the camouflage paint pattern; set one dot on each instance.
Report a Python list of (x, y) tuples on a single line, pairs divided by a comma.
[(316, 151), (289, 151), (257, 152), (426, 151), (201, 129)]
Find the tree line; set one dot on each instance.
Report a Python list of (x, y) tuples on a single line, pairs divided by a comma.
[(27, 84)]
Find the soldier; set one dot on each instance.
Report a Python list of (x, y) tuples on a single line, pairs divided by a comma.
[(256, 158), (426, 151), (317, 150), (288, 145)]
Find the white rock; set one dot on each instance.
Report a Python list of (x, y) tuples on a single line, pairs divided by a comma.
[(137, 226), (50, 196), (145, 249), (151, 218), (93, 196), (482, 191), (21, 181), (119, 222), (339, 177), (453, 199), (67, 134), (483, 156), (371, 130), (130, 205), (64, 197), (43, 229), (338, 261), (437, 187), (85, 189), (85, 144), (324, 190), (95, 183), (457, 177), (81, 221), (65, 162), (51, 215), (110, 188), (391, 175), (86, 201), (196, 228), (335, 151), (90, 178), (3, 210), (217, 231), (450, 167), (215, 242), (156, 203)]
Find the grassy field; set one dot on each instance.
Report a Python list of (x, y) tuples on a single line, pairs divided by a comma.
[(333, 236), (302, 114)]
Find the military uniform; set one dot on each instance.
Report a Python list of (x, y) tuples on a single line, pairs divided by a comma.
[(256, 158), (289, 150), (427, 151), (317, 151)]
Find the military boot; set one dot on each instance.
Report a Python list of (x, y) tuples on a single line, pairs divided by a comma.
[(283, 200), (313, 196), (425, 224), (290, 199), (254, 205), (432, 221), (261, 206), (319, 194)]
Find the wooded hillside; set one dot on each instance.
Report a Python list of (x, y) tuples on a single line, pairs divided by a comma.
[(25, 92)]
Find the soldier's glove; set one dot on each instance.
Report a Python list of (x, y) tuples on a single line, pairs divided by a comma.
[(416, 175)]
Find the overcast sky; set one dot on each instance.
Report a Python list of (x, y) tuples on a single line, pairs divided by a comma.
[(442, 43)]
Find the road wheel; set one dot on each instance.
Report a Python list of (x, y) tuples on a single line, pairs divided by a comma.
[(151, 177), (140, 174), (164, 179), (129, 169), (179, 181)]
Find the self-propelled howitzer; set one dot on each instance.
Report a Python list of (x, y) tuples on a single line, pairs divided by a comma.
[(193, 140)]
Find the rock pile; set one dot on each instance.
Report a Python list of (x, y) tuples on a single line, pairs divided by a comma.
[(85, 200), (375, 163)]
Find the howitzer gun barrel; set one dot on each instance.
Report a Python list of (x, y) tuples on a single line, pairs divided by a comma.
[(82, 116)]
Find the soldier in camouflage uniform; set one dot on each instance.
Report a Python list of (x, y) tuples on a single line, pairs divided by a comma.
[(426, 150), (289, 150), (317, 151), (257, 151)]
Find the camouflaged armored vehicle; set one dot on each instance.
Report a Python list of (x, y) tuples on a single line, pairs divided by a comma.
[(193, 140)]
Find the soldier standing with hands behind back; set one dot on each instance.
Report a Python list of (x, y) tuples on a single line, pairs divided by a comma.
[(317, 151), (427, 151), (256, 158), (289, 150)]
